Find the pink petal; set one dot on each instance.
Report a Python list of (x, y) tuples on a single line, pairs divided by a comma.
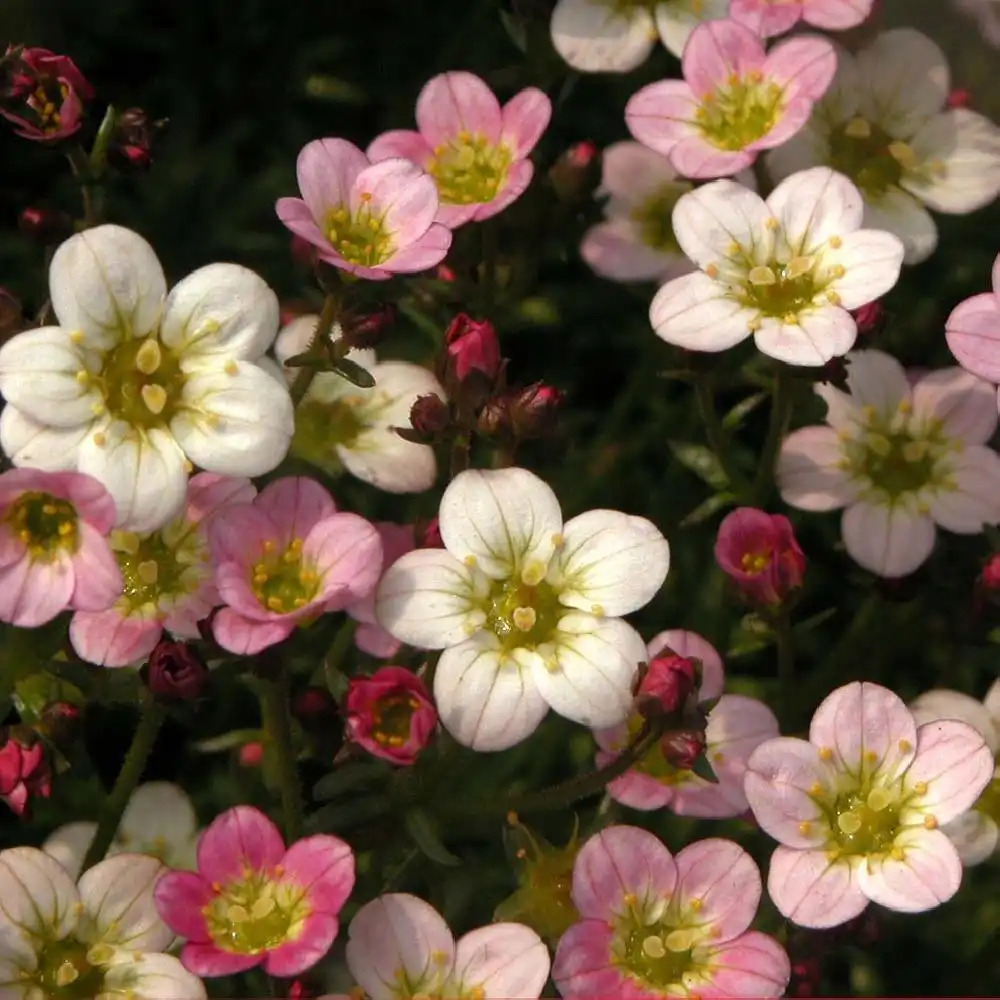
[(891, 543), (375, 641), (813, 891), (12, 549), (326, 170), (241, 535), (736, 727), (400, 192), (695, 157), (208, 961), (296, 215), (717, 51), (808, 472), (662, 114), (324, 865), (806, 65), (403, 143), (613, 250), (209, 492), (523, 120), (965, 405), (695, 647), (233, 581), (797, 111), (347, 554), (92, 501), (453, 216), (180, 899), (754, 965), (518, 178), (33, 593), (617, 862), (296, 504), (973, 334), (294, 957), (582, 968), (429, 250), (635, 789), (708, 800), (97, 578), (995, 275), (111, 639), (766, 17), (245, 636), (929, 874), (836, 15), (240, 838), (457, 102), (726, 880), (504, 960)]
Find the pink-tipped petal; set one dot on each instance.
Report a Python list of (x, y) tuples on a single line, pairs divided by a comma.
[(523, 120), (296, 504), (405, 143), (635, 789), (34, 592), (836, 15), (725, 879), (296, 215), (813, 891), (808, 472), (582, 969), (241, 838), (954, 763), (695, 647), (326, 170), (294, 957), (928, 873), (208, 492), (208, 961), (180, 899), (241, 536), (766, 17), (694, 157), (717, 51), (109, 639), (324, 866), (753, 965), (97, 580), (457, 102), (661, 114), (246, 637), (806, 65), (973, 334)]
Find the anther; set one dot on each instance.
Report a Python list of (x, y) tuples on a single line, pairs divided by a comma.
[(835, 242), (712, 270), (905, 746), (930, 822), (761, 275), (232, 368), (826, 753), (653, 947), (920, 788), (100, 440), (524, 619), (155, 398), (858, 128), (805, 828), (149, 356)]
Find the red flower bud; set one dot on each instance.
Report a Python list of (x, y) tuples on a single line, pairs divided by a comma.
[(313, 706), (251, 754), (683, 747), (444, 273), (174, 673), (430, 537), (576, 173), (668, 683), (131, 145), (759, 552), (959, 98), (24, 772), (806, 975), (391, 714), (869, 317), (533, 410), (42, 94), (472, 345), (990, 576), (429, 416), (366, 330)]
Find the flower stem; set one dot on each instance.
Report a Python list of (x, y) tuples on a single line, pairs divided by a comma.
[(80, 163), (459, 453), (150, 719), (331, 307), (716, 435), (781, 410), (277, 727), (785, 647)]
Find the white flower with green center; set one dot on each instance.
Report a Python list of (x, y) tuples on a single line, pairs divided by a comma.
[(135, 386), (785, 271), (526, 608), (900, 458), (98, 939), (884, 123)]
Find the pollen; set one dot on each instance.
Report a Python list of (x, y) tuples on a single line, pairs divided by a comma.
[(232, 368), (772, 223), (905, 746), (83, 376), (558, 540), (897, 854), (100, 440), (597, 610), (149, 357), (155, 398), (815, 789), (835, 242), (470, 561), (712, 270), (826, 753), (920, 788), (930, 822), (805, 828)]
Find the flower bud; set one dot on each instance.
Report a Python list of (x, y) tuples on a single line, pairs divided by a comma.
[(494, 418), (131, 145), (314, 706), (870, 318), (668, 684), (430, 536), (990, 576), (429, 417), (42, 94), (174, 672), (367, 329), (444, 273), (683, 747), (533, 410), (759, 552), (576, 173), (806, 976), (251, 754), (959, 98), (24, 773), (390, 714), (44, 225), (472, 346)]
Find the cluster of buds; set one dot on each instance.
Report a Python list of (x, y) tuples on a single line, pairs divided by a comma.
[(42, 94), (24, 773)]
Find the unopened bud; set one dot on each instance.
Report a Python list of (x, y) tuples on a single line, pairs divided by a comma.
[(314, 706), (990, 576), (444, 273), (494, 417), (131, 145), (870, 318), (533, 410), (44, 225), (174, 672), (429, 416), (667, 684), (430, 536), (577, 172), (959, 98), (471, 346), (368, 329), (251, 754), (682, 748)]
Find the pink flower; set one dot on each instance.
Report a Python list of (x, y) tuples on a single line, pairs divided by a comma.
[(53, 551), (472, 346), (44, 95), (476, 150), (856, 808), (373, 220), (775, 17), (24, 772), (391, 714), (760, 554), (168, 579), (735, 100), (735, 727), (285, 559), (973, 331), (654, 925), (253, 902)]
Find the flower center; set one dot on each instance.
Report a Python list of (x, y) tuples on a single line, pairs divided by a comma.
[(392, 719), (69, 970), (141, 382), (321, 426), (469, 169), (284, 584), (756, 562), (156, 568), (660, 953), (782, 290), (989, 802), (653, 217), (741, 112), (865, 821), (256, 914), (523, 615), (46, 104), (46, 524), (867, 154), (359, 237)]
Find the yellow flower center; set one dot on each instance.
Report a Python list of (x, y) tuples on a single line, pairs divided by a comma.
[(654, 217), (867, 154), (68, 970), (392, 719), (359, 237), (783, 290), (141, 382), (321, 426), (523, 615), (469, 169), (46, 524), (282, 583), (740, 112), (256, 914), (168, 564)]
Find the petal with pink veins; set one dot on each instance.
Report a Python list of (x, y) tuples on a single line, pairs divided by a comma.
[(695, 312), (717, 51), (457, 102), (296, 215), (429, 249), (814, 206), (837, 15), (891, 542), (975, 499), (208, 961), (765, 17), (964, 405), (241, 838), (523, 120), (725, 879), (323, 865), (245, 636), (752, 965), (518, 178), (808, 471), (181, 898), (806, 64), (401, 194), (503, 960), (111, 639), (244, 534), (813, 891), (582, 968), (821, 334), (928, 874), (346, 552), (97, 577), (693, 156), (870, 260), (405, 143), (326, 171), (34, 592), (661, 114)]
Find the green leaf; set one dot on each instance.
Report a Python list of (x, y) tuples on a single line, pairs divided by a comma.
[(33, 694), (704, 510), (425, 835), (348, 777), (739, 412), (354, 373), (703, 769), (752, 634), (99, 151), (808, 624), (515, 29), (701, 461), (345, 815)]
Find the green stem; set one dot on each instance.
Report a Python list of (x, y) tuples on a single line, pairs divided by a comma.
[(781, 411), (785, 647), (150, 719), (80, 163), (460, 447), (716, 435), (331, 307), (278, 729)]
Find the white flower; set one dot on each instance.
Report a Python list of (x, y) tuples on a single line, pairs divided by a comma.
[(900, 459), (975, 833), (615, 36), (338, 424), (134, 385), (883, 122), (526, 608), (786, 270), (159, 821), (100, 939)]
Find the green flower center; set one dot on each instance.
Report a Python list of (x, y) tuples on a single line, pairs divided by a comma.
[(523, 615), (867, 154), (359, 237), (626, 7), (256, 914), (283, 584), (46, 524), (469, 169), (989, 802), (141, 382), (741, 112), (654, 217), (662, 954), (392, 719), (783, 290), (321, 426), (69, 970), (156, 567), (865, 821)]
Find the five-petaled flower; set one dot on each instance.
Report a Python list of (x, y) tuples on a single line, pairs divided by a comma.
[(44, 94), (390, 714)]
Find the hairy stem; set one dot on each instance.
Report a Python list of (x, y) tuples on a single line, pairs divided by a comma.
[(306, 374), (275, 720)]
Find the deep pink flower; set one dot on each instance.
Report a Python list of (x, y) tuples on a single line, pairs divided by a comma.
[(735, 100), (759, 552), (472, 346), (990, 575), (24, 773), (654, 925), (476, 150), (869, 317), (775, 17), (391, 714), (54, 553), (285, 559), (857, 807), (373, 220), (44, 95), (253, 902)]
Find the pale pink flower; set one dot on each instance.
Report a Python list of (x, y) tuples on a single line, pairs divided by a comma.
[(285, 559), (735, 99), (54, 553), (775, 17), (654, 925), (253, 902), (476, 151), (373, 220), (399, 948), (736, 725), (901, 456), (973, 331), (856, 808), (168, 579)]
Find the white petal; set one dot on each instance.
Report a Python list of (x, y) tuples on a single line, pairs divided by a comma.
[(152, 976), (871, 261), (238, 424), (117, 894), (974, 835), (808, 472), (942, 703), (145, 474), (430, 599), (36, 893), (388, 462), (696, 313), (38, 374), (813, 206), (901, 214), (610, 560), (820, 334), (30, 443), (586, 673), (69, 843), (595, 38), (889, 542), (877, 379), (507, 520), (397, 386), (159, 815), (676, 20), (975, 500), (632, 172), (486, 700), (963, 405), (107, 283), (220, 311)]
